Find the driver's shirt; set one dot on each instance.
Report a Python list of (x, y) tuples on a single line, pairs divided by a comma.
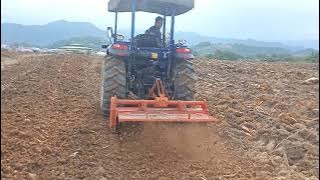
[(156, 32)]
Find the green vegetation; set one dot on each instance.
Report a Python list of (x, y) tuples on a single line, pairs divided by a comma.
[(89, 41), (22, 44), (245, 52), (224, 55)]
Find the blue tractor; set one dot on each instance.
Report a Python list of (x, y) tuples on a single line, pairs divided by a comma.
[(142, 80)]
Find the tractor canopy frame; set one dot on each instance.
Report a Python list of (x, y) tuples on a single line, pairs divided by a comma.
[(166, 8)]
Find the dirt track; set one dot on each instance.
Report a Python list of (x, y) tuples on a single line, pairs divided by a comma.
[(51, 127)]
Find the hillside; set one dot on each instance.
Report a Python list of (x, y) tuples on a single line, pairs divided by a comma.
[(194, 38), (57, 31), (243, 51), (44, 35), (88, 41), (205, 48)]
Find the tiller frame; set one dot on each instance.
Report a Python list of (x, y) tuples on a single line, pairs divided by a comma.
[(159, 109)]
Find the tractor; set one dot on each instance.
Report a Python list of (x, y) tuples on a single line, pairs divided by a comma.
[(145, 82)]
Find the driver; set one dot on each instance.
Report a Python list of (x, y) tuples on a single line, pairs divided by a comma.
[(155, 30)]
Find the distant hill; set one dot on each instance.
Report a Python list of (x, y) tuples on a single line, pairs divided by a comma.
[(88, 41), (194, 38), (314, 44), (242, 51), (58, 31), (44, 35)]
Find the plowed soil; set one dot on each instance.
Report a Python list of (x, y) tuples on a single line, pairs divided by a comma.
[(52, 128)]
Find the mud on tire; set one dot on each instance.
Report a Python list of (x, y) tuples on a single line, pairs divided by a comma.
[(113, 82), (184, 81)]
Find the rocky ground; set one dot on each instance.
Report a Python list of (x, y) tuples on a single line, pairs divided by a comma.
[(51, 126)]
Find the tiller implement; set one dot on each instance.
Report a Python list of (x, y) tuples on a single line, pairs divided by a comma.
[(159, 109)]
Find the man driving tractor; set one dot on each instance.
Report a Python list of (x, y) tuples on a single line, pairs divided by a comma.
[(155, 30)]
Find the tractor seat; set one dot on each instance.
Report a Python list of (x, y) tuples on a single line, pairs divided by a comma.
[(146, 40)]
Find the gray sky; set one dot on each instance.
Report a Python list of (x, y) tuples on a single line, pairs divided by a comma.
[(256, 19)]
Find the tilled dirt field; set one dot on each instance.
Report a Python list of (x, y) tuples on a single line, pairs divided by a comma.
[(51, 126)]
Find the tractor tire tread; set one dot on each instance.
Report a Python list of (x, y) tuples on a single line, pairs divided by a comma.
[(113, 82), (184, 81)]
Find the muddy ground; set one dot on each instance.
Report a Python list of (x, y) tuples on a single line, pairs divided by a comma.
[(51, 126)]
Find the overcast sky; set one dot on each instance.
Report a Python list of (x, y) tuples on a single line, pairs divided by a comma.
[(257, 19)]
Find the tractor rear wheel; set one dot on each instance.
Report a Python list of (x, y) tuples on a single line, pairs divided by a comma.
[(113, 82), (184, 81)]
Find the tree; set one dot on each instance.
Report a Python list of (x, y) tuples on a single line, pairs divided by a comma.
[(226, 55), (210, 56), (203, 44)]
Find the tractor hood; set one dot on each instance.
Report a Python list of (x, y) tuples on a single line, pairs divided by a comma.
[(163, 7)]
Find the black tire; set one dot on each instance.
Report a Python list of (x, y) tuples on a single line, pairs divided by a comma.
[(113, 82), (184, 81)]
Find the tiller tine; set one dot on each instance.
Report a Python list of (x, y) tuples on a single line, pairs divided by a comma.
[(158, 110)]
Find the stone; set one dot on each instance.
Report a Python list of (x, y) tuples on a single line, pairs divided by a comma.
[(238, 113), (151, 155), (312, 149), (164, 178), (195, 166), (299, 126), (100, 170), (312, 80), (33, 176), (284, 173), (18, 166)]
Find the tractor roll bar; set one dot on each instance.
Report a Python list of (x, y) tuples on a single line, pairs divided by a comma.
[(115, 27), (172, 27), (164, 30), (133, 13), (133, 17)]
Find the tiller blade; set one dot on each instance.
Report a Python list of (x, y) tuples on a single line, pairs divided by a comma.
[(160, 109)]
